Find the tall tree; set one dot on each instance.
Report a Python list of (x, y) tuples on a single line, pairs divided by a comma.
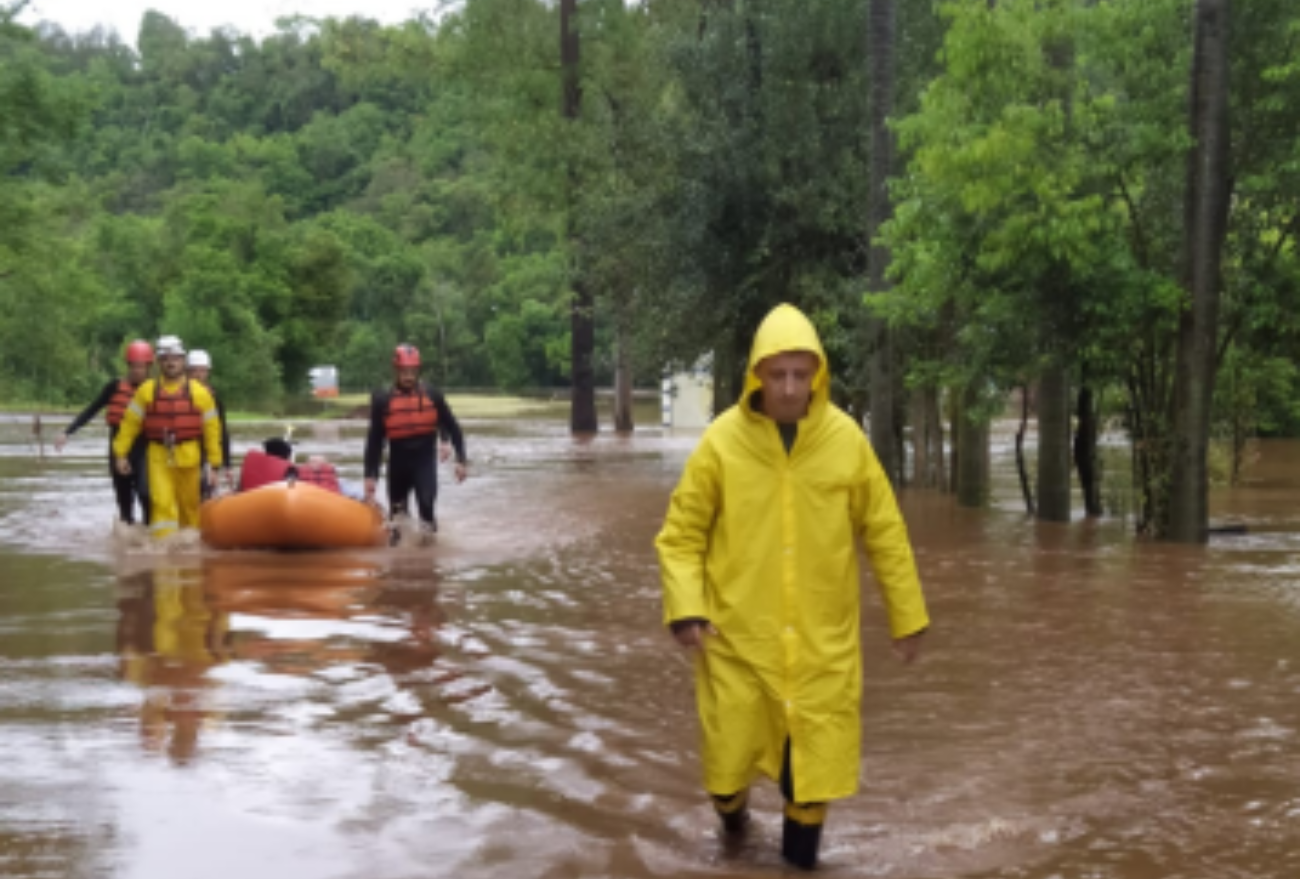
[(885, 432), (971, 470), (1054, 444), (1055, 339), (582, 412), (1205, 223)]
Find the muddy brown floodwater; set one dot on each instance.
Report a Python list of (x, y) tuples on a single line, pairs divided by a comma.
[(507, 705)]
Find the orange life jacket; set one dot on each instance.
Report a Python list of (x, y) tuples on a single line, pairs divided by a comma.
[(122, 398), (410, 415), (173, 414), (321, 475)]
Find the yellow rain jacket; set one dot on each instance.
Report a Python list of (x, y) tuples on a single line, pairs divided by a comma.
[(175, 476), (763, 544)]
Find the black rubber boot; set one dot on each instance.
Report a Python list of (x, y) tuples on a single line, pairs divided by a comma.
[(734, 812), (800, 842)]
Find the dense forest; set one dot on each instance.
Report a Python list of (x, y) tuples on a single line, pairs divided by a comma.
[(1097, 200)]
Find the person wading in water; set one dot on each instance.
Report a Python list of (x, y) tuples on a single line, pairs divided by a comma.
[(758, 556), (409, 417), (198, 366), (116, 396), (177, 416)]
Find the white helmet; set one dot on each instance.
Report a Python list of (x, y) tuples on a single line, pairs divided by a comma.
[(198, 360), (170, 345)]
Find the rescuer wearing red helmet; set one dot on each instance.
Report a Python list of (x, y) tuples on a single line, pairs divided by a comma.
[(410, 417), (116, 396)]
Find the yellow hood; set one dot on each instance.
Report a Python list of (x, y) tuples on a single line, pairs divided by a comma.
[(787, 329)]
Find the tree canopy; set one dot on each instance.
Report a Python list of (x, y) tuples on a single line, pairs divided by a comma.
[(339, 186)]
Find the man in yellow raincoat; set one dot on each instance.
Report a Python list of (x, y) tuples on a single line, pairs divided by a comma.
[(176, 415), (760, 575)]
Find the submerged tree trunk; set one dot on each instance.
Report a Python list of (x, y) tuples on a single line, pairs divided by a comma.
[(934, 422), (885, 425), (973, 459), (721, 383), (928, 454), (1205, 225), (1053, 407), (623, 420), (1085, 452), (954, 431), (582, 414), (1020, 451), (920, 442), (730, 362), (1054, 444)]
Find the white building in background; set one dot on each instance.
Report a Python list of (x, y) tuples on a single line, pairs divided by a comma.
[(688, 396), (324, 381)]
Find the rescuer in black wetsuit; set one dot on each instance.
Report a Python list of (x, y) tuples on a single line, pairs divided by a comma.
[(410, 417), (116, 396)]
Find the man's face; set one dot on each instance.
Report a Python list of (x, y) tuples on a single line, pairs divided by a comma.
[(407, 377), (787, 384), (200, 374), (172, 365), (137, 372)]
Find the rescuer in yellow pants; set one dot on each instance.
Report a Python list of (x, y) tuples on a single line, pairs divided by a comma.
[(180, 420)]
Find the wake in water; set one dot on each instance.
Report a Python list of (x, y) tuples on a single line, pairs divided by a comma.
[(136, 540)]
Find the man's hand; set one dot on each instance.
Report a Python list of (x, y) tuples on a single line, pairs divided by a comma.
[(690, 633), (60, 441), (908, 649), (370, 491), (122, 466), (229, 473), (212, 479), (444, 452), (462, 471)]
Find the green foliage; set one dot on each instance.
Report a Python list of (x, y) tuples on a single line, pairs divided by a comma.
[(339, 186), (1041, 216)]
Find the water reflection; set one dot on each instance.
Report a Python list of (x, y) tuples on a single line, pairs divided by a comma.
[(507, 704), (270, 616), (168, 639)]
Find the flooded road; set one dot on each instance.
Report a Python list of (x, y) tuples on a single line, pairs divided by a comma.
[(507, 705)]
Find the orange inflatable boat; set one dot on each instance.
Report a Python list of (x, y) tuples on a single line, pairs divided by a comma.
[(290, 515)]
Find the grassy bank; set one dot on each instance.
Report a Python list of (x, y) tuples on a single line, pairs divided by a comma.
[(356, 406)]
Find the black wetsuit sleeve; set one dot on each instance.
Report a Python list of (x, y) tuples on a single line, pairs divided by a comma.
[(375, 438), (105, 397), (447, 422), (225, 433)]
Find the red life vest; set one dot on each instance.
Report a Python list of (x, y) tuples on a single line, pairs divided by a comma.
[(122, 398), (173, 413), (321, 475), (410, 415), (261, 469)]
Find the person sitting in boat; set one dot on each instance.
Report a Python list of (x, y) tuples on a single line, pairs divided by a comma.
[(409, 417), (278, 448), (317, 470)]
